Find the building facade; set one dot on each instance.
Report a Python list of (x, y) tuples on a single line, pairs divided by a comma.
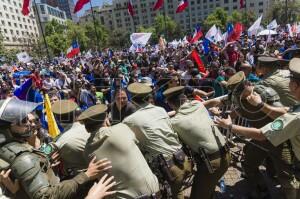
[(65, 5), (196, 12), (48, 13), (103, 14), (18, 31)]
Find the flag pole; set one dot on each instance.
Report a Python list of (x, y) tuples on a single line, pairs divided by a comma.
[(43, 34), (94, 20), (165, 22)]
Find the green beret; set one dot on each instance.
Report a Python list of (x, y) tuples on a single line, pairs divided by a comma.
[(174, 91), (139, 89), (235, 80), (295, 68), (94, 113)]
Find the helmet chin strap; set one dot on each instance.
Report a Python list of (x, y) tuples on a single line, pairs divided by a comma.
[(26, 134)]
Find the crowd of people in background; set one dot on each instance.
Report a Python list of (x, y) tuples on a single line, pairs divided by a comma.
[(103, 78)]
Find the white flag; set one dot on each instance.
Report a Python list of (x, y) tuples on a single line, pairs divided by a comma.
[(212, 33), (254, 28), (272, 25), (219, 36), (289, 27), (140, 38), (23, 57)]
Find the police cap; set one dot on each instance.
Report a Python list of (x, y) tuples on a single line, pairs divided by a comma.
[(271, 62), (93, 114), (65, 110), (235, 80), (139, 89), (295, 68), (173, 92)]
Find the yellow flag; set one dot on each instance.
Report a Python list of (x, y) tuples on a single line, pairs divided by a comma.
[(53, 129)]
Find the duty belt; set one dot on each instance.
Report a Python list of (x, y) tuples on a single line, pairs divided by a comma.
[(178, 158), (152, 196), (219, 153)]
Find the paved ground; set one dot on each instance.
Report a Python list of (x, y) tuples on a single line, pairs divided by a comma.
[(236, 186)]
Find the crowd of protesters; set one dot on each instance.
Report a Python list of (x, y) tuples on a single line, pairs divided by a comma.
[(102, 78)]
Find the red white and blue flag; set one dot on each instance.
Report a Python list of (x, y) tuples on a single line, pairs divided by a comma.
[(234, 33), (197, 34), (79, 5), (73, 50), (182, 6), (130, 8), (158, 4), (26, 7)]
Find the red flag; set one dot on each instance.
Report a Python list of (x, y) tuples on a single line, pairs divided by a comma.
[(182, 5), (25, 8), (130, 8), (158, 4), (197, 59), (236, 33), (242, 4), (79, 5)]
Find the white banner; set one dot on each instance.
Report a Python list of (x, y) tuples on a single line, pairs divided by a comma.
[(140, 38), (255, 27)]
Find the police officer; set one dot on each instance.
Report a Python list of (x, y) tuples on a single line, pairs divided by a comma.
[(29, 166), (134, 178), (196, 129), (255, 154), (276, 78), (157, 140), (285, 127), (72, 141)]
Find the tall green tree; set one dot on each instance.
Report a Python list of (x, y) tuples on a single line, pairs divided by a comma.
[(53, 27), (278, 11), (167, 27), (218, 17), (119, 39), (101, 32), (77, 33)]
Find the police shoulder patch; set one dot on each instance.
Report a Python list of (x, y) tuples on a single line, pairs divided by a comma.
[(277, 125)]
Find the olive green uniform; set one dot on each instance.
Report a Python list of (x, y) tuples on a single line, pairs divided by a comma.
[(71, 145), (197, 130), (131, 172), (33, 171), (283, 129), (279, 81), (253, 154), (153, 130)]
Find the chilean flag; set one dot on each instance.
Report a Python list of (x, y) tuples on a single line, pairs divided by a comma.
[(158, 4), (73, 50), (234, 33), (130, 8), (242, 4), (182, 5), (79, 5), (197, 34), (25, 7)]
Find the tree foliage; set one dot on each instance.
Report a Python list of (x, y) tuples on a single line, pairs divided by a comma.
[(1, 43), (218, 17), (102, 35), (118, 38), (278, 12)]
